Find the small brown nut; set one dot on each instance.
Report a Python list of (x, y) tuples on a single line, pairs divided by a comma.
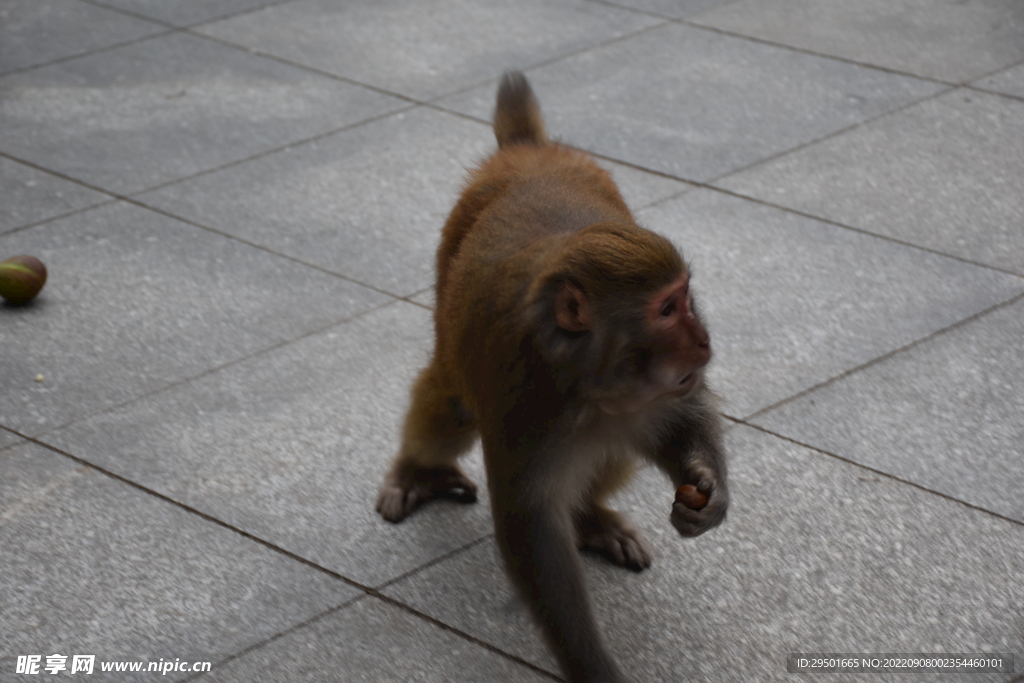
[(21, 278), (688, 495)]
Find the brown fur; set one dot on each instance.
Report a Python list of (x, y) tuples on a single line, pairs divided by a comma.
[(567, 339)]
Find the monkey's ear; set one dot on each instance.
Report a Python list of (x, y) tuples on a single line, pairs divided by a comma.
[(571, 311)]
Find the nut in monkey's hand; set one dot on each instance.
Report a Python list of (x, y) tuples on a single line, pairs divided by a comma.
[(691, 497)]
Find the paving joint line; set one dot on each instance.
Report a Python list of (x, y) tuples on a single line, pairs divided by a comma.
[(820, 55), (62, 176), (75, 212), (633, 10), (705, 185), (653, 13), (950, 87), (994, 93), (559, 58), (132, 199), (368, 591), (977, 88), (10, 445), (878, 472), (277, 636), (836, 133), (471, 638), (863, 231), (432, 105), (696, 184), (537, 65), (369, 594), (87, 53), (436, 561), (190, 509), (130, 14), (144, 17), (999, 69), (671, 197), (217, 368), (262, 248), (885, 356), (298, 65), (708, 184), (268, 152)]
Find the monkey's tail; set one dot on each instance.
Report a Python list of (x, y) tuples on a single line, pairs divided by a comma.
[(517, 116)]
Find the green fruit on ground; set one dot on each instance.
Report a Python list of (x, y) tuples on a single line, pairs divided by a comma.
[(21, 278)]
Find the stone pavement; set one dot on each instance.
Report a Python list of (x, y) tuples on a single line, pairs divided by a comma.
[(238, 202)]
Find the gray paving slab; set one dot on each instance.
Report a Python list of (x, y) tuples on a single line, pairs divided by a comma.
[(242, 371), (368, 202), (30, 196), (187, 12), (292, 446), (136, 301), (428, 297), (705, 104), (1008, 82), (373, 641), (130, 118), (677, 9), (947, 174), (791, 301), (481, 601), (93, 566), (817, 555), (34, 32), (950, 41), (642, 188), (8, 438), (424, 50), (947, 414)]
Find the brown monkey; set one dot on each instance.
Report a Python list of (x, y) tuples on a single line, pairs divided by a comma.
[(567, 338)]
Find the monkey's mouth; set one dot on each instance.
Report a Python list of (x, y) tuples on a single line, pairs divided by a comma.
[(685, 383)]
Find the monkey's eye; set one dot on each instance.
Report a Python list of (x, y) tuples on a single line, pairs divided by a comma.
[(668, 308)]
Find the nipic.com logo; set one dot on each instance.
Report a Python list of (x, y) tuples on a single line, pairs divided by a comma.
[(31, 664), (34, 665)]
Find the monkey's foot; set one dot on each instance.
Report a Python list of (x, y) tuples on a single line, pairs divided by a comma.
[(608, 533), (406, 489)]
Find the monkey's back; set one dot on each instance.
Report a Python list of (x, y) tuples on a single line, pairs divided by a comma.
[(517, 209)]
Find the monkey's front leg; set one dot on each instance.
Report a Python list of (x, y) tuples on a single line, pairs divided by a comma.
[(438, 429), (692, 453), (537, 543)]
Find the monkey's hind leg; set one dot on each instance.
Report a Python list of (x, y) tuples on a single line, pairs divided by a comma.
[(438, 429), (607, 532)]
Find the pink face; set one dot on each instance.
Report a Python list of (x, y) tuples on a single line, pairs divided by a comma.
[(680, 346)]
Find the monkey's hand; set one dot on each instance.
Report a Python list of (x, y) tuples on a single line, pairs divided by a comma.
[(690, 521), (406, 489)]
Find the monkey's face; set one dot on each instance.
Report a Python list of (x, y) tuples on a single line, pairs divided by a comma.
[(659, 353)]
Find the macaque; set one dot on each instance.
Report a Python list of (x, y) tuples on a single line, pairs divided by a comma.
[(568, 340)]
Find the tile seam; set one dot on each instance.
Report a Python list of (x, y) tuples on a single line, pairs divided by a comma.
[(886, 356), (878, 472), (366, 590)]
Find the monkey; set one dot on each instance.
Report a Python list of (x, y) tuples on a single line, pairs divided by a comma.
[(568, 341)]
